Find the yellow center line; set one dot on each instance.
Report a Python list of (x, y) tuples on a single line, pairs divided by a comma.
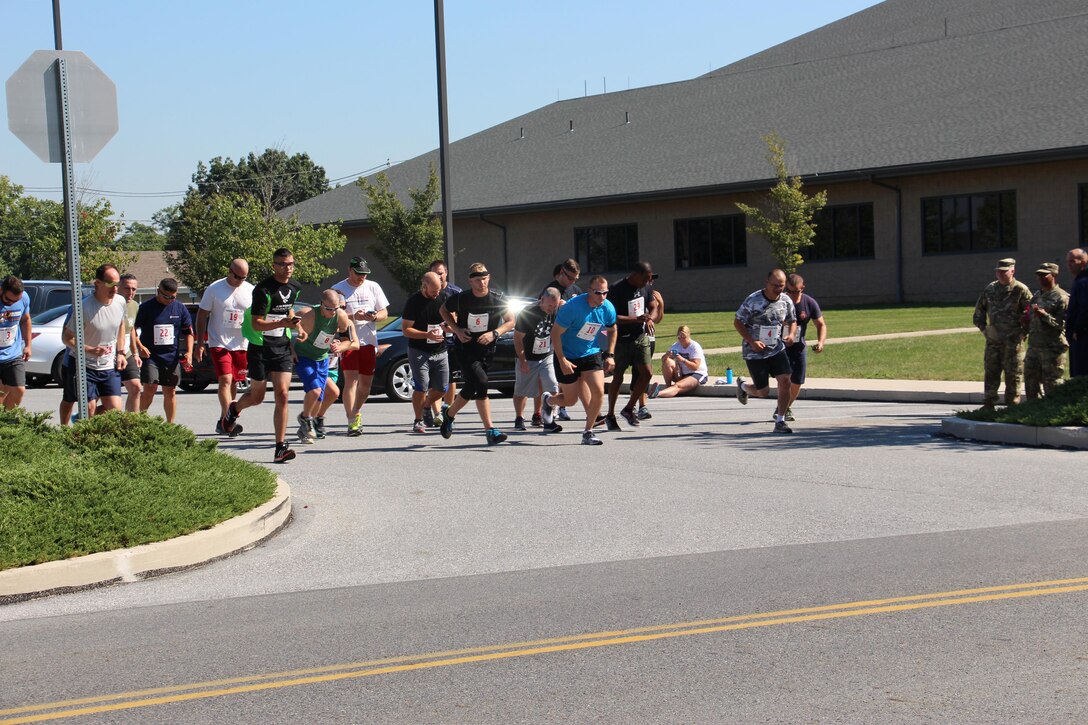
[(333, 673)]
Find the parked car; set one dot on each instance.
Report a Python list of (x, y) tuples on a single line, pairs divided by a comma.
[(46, 347), (49, 294)]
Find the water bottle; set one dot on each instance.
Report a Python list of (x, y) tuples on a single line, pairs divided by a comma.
[(729, 376)]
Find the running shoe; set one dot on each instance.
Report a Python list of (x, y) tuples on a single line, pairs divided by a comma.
[(355, 427), (319, 427), (447, 424), (613, 424), (644, 413), (231, 418), (589, 439), (219, 427), (519, 423), (781, 427), (495, 437), (789, 415), (283, 453), (563, 414), (305, 433), (552, 428), (419, 427), (629, 415), (538, 420), (221, 430), (742, 394), (546, 409), (428, 417), (653, 390), (600, 421)]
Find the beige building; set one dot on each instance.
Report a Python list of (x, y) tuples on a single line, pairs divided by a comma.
[(947, 133)]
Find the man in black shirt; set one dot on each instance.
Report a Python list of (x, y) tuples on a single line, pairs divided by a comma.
[(422, 323), (534, 372), (565, 279), (633, 299), (273, 320), (478, 317)]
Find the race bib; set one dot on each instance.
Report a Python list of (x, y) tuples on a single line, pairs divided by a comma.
[(7, 336), (278, 332), (542, 345), (321, 342), (769, 334), (478, 323), (431, 329), (164, 334), (103, 361), (636, 307), (589, 331), (232, 318)]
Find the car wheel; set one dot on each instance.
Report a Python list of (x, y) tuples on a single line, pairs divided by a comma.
[(38, 381), (398, 386), (190, 386), (242, 386), (55, 369)]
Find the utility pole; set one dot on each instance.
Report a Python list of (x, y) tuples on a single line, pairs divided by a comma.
[(443, 135)]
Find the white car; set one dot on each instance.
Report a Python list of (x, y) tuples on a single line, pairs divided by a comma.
[(46, 347)]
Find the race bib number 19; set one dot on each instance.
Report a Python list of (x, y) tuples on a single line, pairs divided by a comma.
[(232, 318)]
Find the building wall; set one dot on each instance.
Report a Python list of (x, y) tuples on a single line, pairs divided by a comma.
[(1047, 221)]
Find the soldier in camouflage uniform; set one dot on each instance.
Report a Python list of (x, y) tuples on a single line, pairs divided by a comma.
[(1000, 314), (1044, 363)]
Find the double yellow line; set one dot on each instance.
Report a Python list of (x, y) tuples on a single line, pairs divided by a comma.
[(332, 673)]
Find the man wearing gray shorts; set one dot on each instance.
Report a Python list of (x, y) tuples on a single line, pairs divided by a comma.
[(422, 324), (534, 372)]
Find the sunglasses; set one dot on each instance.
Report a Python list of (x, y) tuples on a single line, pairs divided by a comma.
[(10, 302), (283, 264), (479, 275), (236, 275), (167, 295), (602, 293), (330, 309)]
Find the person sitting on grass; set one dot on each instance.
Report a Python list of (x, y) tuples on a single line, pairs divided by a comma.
[(683, 367)]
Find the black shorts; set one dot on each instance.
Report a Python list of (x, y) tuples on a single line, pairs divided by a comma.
[(132, 371), (798, 363), (586, 364), (763, 370), (13, 373), (154, 374), (264, 360)]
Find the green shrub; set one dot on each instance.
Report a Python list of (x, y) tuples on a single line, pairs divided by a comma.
[(1067, 405)]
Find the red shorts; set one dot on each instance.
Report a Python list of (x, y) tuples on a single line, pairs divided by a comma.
[(229, 362), (364, 360)]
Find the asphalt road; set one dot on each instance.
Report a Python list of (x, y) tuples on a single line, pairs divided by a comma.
[(698, 569)]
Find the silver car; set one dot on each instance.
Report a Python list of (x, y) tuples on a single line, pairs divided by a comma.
[(46, 347)]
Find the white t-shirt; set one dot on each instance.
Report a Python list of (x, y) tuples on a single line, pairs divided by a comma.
[(369, 297), (694, 351), (101, 323), (131, 308), (226, 306)]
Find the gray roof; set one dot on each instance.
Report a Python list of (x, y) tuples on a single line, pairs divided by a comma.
[(901, 86)]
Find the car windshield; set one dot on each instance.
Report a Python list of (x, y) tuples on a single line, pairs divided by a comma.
[(49, 315)]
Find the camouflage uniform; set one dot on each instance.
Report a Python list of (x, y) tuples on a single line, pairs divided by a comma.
[(1005, 328), (1044, 363)]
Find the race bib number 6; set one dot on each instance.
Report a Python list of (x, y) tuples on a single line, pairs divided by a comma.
[(478, 323)]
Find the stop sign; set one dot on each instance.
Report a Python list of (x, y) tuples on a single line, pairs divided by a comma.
[(33, 115)]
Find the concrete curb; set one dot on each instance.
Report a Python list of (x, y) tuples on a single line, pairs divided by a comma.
[(881, 391), (1020, 435), (140, 562)]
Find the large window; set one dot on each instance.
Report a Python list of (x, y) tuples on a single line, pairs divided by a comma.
[(612, 248), (710, 241), (842, 232), (1083, 192), (969, 223)]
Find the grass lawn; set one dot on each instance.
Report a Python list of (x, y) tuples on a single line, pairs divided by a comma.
[(1067, 404), (113, 481)]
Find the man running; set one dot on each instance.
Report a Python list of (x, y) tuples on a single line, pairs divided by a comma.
[(219, 331), (15, 336), (322, 326), (448, 289), (808, 310), (765, 320), (272, 321), (535, 371), (423, 325), (478, 317), (104, 332), (130, 376), (632, 298), (580, 362), (166, 339), (366, 304), (564, 279)]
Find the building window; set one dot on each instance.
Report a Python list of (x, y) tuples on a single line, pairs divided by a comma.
[(710, 241), (612, 248), (1083, 215), (969, 223), (842, 232)]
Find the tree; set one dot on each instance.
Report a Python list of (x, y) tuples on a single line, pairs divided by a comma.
[(34, 236), (787, 226), (141, 237), (211, 232), (409, 239), (276, 179)]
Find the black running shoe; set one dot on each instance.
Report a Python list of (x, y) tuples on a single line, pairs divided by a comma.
[(630, 417), (283, 453), (612, 423)]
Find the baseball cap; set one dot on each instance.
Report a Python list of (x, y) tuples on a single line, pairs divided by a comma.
[(1006, 263), (359, 266), (1047, 268)]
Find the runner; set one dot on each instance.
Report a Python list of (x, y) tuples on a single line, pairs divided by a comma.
[(478, 317), (366, 304), (565, 279), (449, 289), (166, 339), (767, 320), (15, 336), (422, 323), (271, 323), (130, 376), (579, 360), (219, 329), (535, 371), (657, 313), (322, 325), (104, 332), (632, 298), (808, 310)]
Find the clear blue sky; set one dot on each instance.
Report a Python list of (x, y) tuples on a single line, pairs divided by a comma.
[(352, 82)]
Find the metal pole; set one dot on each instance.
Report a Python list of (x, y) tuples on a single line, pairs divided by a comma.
[(71, 222), (56, 25), (443, 135)]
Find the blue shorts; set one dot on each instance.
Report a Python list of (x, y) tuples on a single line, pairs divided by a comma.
[(313, 374), (100, 384)]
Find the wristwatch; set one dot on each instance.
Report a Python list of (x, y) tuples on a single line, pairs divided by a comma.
[(607, 355)]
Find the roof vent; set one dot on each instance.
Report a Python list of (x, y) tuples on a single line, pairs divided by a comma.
[(571, 126), (626, 117)]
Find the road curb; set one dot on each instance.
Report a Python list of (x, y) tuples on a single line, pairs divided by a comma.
[(824, 391), (140, 562), (1022, 435)]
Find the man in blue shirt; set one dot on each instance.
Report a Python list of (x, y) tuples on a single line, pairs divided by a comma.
[(579, 360), (166, 338), (15, 335)]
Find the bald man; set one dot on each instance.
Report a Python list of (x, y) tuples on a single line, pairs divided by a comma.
[(219, 330)]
